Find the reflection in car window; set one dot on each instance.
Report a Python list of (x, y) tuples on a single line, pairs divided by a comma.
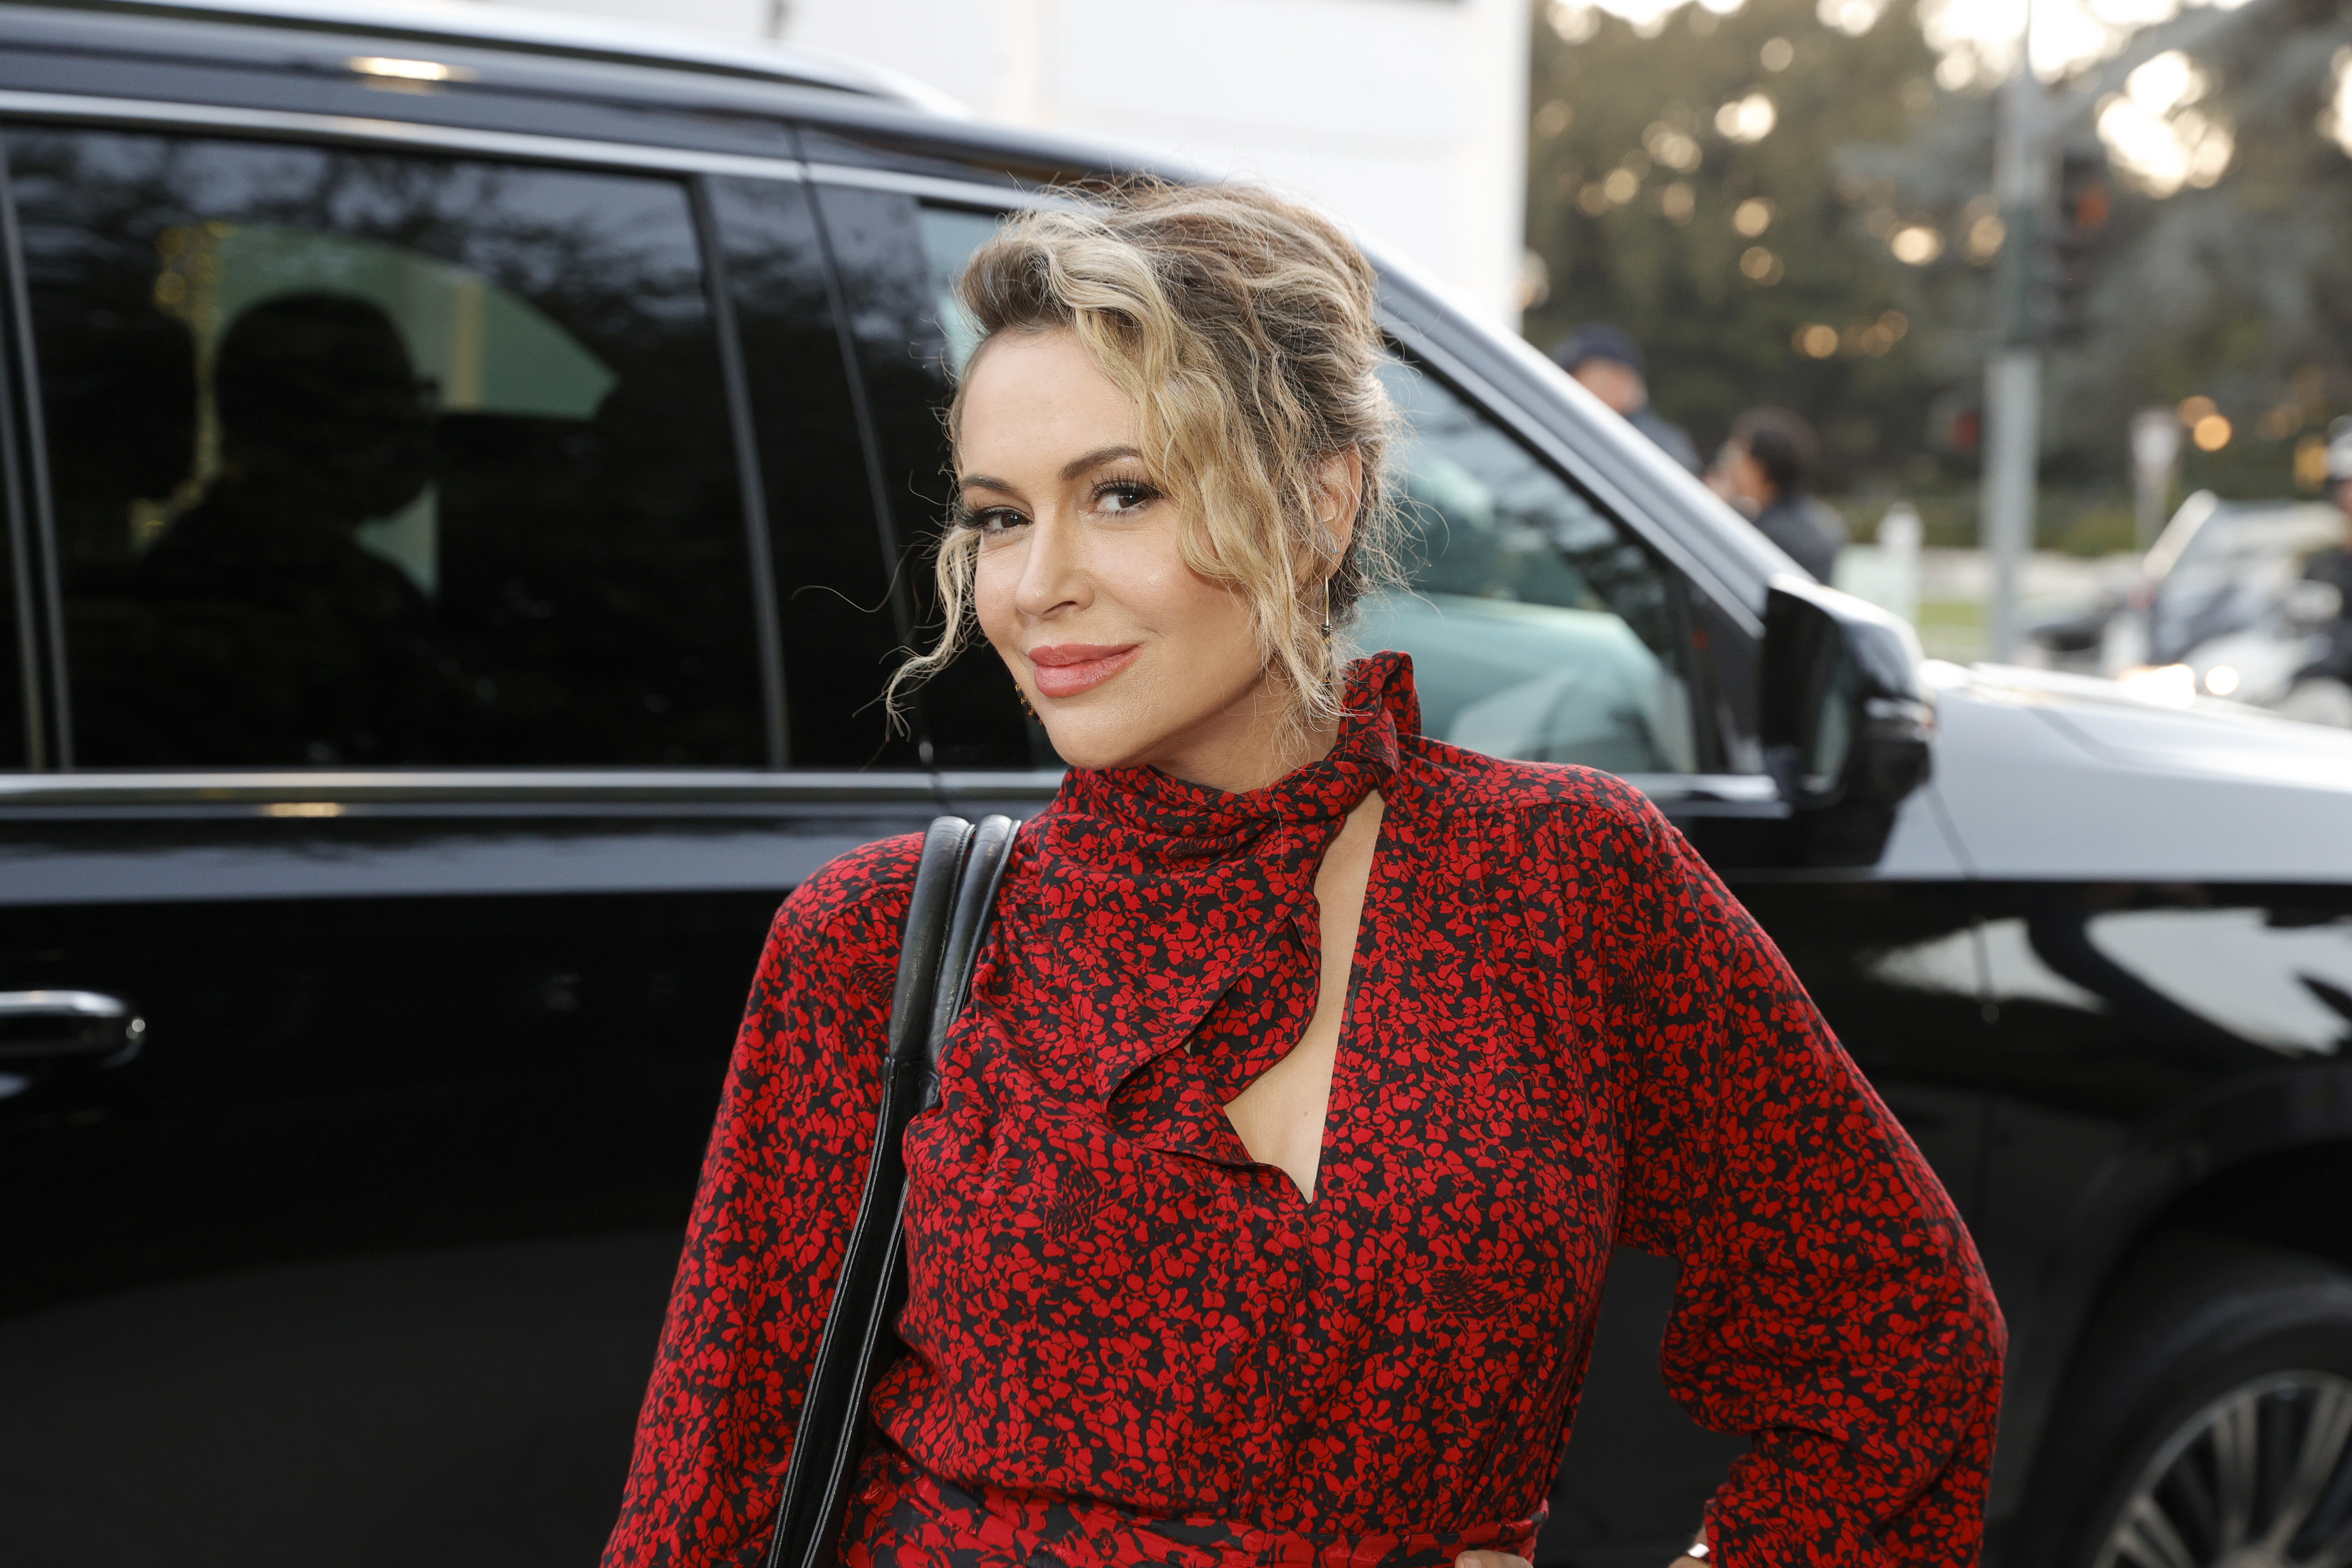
[(950, 236), (373, 459), (1537, 629)]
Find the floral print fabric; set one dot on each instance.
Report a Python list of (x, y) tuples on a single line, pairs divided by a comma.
[(1125, 1338)]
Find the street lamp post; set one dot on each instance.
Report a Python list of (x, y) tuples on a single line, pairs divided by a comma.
[(2155, 447), (2014, 374)]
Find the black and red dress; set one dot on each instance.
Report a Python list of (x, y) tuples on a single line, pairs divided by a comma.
[(1129, 1343)]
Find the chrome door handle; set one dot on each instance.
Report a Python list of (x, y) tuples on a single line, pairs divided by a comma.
[(43, 1025)]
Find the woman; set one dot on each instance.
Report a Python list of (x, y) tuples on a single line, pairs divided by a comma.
[(1313, 1067)]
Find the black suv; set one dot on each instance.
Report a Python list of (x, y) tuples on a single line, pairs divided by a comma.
[(464, 484)]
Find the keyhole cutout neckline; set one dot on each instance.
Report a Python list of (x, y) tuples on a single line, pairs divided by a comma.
[(1283, 1119)]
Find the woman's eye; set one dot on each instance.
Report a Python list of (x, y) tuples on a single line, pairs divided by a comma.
[(996, 522), (1119, 499)]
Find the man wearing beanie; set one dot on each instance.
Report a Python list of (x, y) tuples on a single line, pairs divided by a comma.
[(1608, 361)]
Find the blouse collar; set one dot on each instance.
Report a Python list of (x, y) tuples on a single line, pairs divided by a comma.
[(1379, 706)]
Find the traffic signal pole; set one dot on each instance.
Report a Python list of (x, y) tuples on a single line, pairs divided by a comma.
[(2012, 426)]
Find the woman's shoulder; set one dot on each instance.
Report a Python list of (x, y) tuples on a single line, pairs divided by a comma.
[(1547, 798), (858, 899)]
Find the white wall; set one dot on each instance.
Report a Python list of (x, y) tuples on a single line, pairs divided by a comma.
[(1407, 118)]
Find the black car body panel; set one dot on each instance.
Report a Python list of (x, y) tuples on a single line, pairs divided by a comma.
[(363, 1235)]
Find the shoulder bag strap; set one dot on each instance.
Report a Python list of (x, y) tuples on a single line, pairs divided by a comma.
[(955, 890)]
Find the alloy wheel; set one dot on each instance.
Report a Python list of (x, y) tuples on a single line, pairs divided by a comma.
[(2260, 1478)]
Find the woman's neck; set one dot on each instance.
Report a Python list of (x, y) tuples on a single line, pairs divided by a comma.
[(1248, 744)]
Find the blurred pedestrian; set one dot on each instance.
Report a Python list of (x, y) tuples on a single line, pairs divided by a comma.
[(1766, 469), (1608, 361)]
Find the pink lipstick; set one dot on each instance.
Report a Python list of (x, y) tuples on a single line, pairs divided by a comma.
[(1065, 670)]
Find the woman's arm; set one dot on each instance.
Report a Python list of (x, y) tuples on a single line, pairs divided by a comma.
[(771, 1219), (1831, 1304)]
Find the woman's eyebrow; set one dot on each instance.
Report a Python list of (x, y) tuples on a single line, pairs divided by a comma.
[(1096, 459)]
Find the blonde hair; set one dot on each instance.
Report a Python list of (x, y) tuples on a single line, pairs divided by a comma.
[(1243, 326)]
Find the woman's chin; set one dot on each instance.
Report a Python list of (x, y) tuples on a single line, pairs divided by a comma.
[(1084, 746)]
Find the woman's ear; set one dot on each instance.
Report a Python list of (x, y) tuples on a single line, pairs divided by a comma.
[(1341, 495)]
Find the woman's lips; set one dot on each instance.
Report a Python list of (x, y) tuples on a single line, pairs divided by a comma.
[(1065, 670)]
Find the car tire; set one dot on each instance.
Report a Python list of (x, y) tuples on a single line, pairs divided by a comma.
[(2211, 1424)]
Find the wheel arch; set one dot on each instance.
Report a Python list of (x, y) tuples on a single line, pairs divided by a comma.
[(2219, 1165)]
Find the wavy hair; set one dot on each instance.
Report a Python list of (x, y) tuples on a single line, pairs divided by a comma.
[(1244, 328)]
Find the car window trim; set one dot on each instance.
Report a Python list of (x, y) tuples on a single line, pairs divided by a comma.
[(22, 555), (283, 124), (1002, 200), (750, 479), (33, 520), (1559, 455), (338, 787)]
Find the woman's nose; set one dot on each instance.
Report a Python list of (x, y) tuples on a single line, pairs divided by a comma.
[(1053, 572)]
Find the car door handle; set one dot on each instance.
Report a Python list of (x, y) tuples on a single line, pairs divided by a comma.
[(45, 1025)]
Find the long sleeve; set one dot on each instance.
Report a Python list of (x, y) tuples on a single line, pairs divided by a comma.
[(1832, 1304), (771, 1221)]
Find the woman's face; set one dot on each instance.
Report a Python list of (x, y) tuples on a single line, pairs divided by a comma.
[(1129, 656)]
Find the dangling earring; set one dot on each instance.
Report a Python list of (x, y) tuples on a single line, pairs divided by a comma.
[(1327, 609)]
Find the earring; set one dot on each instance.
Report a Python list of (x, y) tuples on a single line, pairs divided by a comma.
[(1021, 696), (1327, 609)]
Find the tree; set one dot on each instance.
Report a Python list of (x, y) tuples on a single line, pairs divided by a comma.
[(2222, 269), (1684, 184)]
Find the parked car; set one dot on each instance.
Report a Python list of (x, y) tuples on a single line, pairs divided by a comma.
[(464, 478), (2225, 601)]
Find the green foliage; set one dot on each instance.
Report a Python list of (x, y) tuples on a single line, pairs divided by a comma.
[(2241, 291), (1720, 340)]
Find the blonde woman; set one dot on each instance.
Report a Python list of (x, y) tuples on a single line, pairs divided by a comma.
[(1313, 1066)]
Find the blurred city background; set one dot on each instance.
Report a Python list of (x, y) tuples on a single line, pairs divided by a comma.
[(1794, 204)]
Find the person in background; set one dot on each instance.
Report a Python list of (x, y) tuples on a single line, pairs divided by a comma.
[(1766, 469), (1608, 361)]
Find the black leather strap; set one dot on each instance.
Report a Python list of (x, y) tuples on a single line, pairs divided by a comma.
[(947, 918)]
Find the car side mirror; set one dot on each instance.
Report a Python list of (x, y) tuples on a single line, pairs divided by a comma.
[(1846, 722)]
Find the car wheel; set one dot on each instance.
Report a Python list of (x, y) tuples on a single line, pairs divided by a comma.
[(2214, 1427)]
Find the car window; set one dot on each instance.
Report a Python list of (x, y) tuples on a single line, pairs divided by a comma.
[(839, 619), (898, 260), (1539, 629), (362, 458)]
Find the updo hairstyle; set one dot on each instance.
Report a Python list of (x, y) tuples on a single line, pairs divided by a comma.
[(1243, 326)]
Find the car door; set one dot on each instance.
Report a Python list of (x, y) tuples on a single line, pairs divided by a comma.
[(423, 765)]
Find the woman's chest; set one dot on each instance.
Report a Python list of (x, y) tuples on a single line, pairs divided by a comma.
[(1082, 1181)]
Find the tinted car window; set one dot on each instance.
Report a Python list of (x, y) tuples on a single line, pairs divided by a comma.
[(843, 626), (363, 459), (1539, 629), (896, 263)]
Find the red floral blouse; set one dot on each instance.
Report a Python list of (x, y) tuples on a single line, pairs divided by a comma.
[(1129, 1343)]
